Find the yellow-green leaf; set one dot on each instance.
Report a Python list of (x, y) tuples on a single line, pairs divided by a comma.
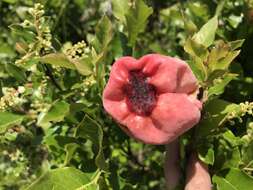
[(206, 34), (57, 59)]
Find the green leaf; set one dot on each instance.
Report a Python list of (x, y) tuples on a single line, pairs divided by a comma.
[(8, 120), (70, 150), (103, 34), (136, 20), (206, 155), (91, 130), (213, 116), (198, 68), (219, 87), (6, 50), (235, 44), (234, 158), (222, 184), (10, 1), (19, 30), (84, 65), (195, 49), (225, 62), (119, 9), (15, 72), (57, 59), (217, 53), (56, 113), (236, 179), (59, 142), (240, 179), (198, 55), (62, 179), (223, 54), (206, 34)]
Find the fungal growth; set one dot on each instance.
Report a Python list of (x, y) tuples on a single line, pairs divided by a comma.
[(141, 96), (153, 99)]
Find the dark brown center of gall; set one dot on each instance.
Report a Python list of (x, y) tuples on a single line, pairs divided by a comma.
[(141, 96)]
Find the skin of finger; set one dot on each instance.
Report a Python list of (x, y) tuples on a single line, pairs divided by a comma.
[(198, 177), (172, 169)]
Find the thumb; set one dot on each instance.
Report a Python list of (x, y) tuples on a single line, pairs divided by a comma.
[(197, 177)]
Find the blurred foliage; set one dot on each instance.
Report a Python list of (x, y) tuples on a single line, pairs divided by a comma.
[(55, 58)]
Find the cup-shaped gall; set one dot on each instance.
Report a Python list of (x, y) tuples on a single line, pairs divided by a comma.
[(152, 98)]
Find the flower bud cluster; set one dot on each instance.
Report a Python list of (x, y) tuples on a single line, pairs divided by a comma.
[(77, 51), (11, 97), (88, 82), (249, 136), (37, 10), (242, 110), (45, 39), (43, 42), (43, 31), (38, 103)]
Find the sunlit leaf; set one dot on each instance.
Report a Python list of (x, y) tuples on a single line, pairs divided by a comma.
[(198, 68), (206, 34), (219, 87), (235, 44), (198, 54), (234, 179), (195, 49), (57, 59), (225, 62), (70, 150), (222, 184)]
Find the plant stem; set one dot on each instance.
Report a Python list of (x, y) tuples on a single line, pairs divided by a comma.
[(172, 169)]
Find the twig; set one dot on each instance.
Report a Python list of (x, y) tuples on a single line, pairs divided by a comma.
[(50, 75)]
